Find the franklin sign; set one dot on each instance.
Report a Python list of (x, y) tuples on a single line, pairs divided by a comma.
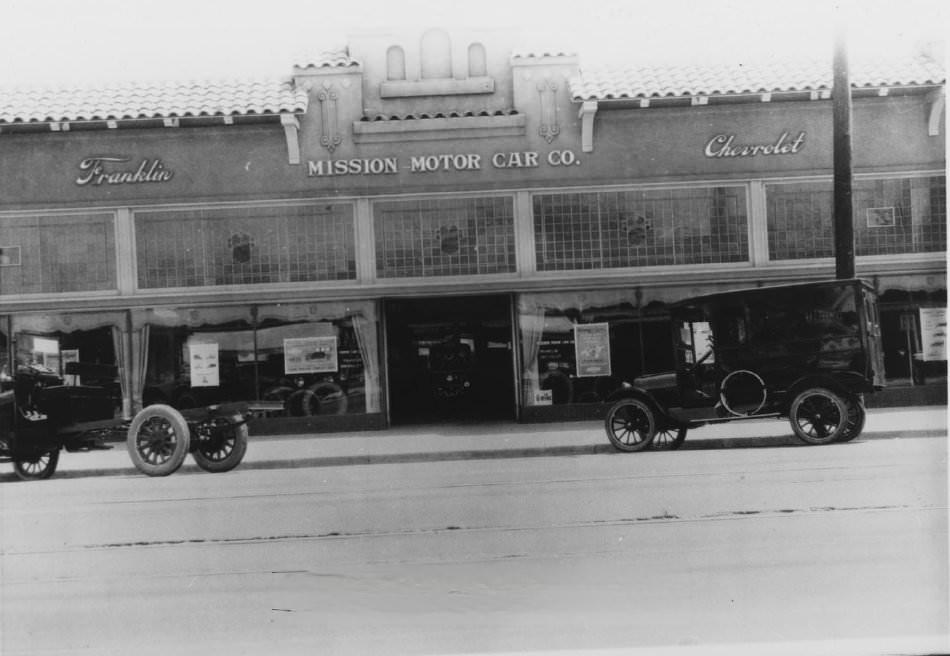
[(107, 169)]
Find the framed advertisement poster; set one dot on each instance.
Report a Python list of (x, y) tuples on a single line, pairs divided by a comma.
[(933, 334), (204, 365), (310, 355), (592, 349)]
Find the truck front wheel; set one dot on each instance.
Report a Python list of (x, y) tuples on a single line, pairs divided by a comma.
[(630, 425), (158, 440)]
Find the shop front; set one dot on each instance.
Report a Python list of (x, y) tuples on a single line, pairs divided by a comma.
[(504, 243)]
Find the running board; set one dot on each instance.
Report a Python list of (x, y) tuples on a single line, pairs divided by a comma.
[(722, 420)]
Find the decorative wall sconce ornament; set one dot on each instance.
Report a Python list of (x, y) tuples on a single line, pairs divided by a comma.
[(549, 114), (329, 117)]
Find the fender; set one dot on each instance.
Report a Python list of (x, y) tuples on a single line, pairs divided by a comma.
[(630, 392), (846, 383)]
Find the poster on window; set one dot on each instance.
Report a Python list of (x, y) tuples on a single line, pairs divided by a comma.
[(310, 355), (933, 334), (65, 357), (204, 365), (592, 349)]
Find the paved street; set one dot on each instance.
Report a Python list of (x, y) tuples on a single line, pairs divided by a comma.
[(494, 539)]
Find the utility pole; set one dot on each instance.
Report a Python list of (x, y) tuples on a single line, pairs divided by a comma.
[(841, 113)]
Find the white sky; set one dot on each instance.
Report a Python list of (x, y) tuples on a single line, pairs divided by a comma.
[(84, 42)]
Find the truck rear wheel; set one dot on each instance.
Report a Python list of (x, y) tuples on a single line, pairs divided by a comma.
[(158, 440), (221, 448), (856, 418), (38, 467), (818, 415), (630, 425)]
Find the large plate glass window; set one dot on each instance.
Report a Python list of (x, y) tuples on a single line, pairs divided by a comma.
[(284, 359), (555, 354)]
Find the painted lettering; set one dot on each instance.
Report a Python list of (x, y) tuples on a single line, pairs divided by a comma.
[(445, 162), (723, 145), (98, 170), (357, 166), (562, 158), (522, 160)]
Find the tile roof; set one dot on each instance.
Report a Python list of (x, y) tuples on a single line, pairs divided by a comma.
[(151, 101), (336, 58), (537, 52), (766, 76)]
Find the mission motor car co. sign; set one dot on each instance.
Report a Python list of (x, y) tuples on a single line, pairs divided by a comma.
[(440, 162)]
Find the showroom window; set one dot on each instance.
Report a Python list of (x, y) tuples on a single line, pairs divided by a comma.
[(581, 347), (285, 359)]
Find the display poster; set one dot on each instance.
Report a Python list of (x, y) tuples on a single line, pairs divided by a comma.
[(204, 365), (592, 349), (65, 357), (933, 334), (309, 355)]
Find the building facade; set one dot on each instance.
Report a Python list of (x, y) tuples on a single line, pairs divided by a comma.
[(438, 226)]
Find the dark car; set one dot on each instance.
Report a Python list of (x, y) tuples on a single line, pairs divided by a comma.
[(806, 351)]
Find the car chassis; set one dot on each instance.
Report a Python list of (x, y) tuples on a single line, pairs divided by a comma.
[(807, 351), (41, 416)]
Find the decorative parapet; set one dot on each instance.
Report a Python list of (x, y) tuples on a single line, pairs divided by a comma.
[(423, 129)]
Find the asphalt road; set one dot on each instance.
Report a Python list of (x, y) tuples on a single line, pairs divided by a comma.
[(757, 547)]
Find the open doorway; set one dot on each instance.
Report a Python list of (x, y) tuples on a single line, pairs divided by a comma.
[(450, 359)]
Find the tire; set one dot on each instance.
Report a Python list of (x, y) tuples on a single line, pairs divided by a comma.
[(631, 425), (158, 440), (561, 386), (669, 438), (818, 415), (37, 468), (322, 399), (222, 452), (856, 418)]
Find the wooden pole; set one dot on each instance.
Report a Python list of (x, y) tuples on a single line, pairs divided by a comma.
[(843, 206)]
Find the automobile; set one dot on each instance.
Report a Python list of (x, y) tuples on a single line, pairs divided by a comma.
[(808, 352), (40, 416)]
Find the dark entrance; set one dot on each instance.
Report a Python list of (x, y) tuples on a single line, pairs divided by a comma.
[(450, 359)]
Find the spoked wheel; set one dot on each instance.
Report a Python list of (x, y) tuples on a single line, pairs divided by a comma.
[(818, 416), (158, 440), (856, 418), (221, 445), (631, 425), (37, 467), (668, 438)]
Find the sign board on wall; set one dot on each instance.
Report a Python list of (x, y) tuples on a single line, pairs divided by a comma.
[(203, 359), (309, 355), (592, 349)]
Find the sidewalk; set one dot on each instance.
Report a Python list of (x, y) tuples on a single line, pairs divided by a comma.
[(500, 440)]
